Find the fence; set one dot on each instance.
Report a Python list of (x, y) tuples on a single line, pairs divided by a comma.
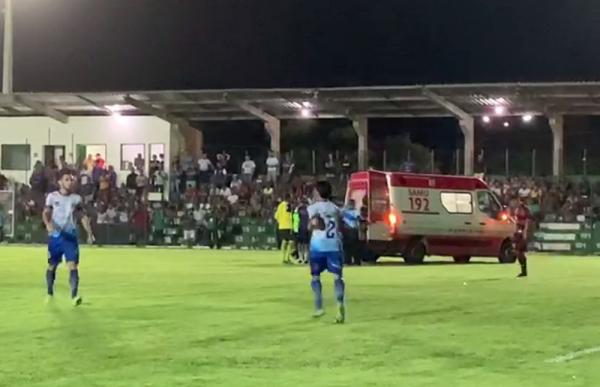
[(239, 231)]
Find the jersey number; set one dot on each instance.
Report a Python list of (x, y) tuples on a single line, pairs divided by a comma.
[(330, 229)]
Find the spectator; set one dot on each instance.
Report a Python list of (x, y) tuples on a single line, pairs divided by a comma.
[(189, 228), (161, 161), (204, 167), (139, 163), (288, 169), (122, 215), (158, 225), (99, 161), (140, 220), (88, 164), (346, 167), (112, 177), (104, 189), (111, 214), (524, 191), (248, 169), (141, 183), (102, 215), (38, 180), (131, 182), (87, 186), (160, 179), (220, 177), (154, 165), (272, 168), (223, 160), (330, 166), (191, 179)]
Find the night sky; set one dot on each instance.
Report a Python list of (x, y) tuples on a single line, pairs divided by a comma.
[(99, 45), (76, 45)]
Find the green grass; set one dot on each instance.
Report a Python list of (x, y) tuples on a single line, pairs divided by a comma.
[(173, 317)]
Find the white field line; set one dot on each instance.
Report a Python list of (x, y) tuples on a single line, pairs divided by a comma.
[(573, 355)]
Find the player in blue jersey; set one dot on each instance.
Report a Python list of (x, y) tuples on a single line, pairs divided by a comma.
[(58, 216), (326, 248)]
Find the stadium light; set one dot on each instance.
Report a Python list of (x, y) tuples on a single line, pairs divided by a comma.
[(499, 110), (506, 124), (527, 118), (486, 119)]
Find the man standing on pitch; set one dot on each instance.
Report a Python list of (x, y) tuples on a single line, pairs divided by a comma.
[(62, 233)]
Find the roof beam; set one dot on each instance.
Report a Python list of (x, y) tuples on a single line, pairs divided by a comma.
[(153, 111), (256, 112), (449, 106), (39, 107)]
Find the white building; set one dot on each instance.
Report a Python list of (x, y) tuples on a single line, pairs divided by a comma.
[(118, 139)]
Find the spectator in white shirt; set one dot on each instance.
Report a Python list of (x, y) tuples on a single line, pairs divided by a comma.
[(524, 192), (248, 168), (205, 167), (272, 168)]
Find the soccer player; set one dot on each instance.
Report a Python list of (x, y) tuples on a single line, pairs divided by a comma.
[(522, 217), (62, 233), (325, 248)]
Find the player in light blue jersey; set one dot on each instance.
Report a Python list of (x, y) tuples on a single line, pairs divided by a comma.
[(326, 248), (62, 233)]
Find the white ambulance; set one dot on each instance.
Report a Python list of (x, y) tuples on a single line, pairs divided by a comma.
[(413, 216)]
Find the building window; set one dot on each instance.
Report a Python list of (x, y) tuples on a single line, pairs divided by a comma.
[(87, 154), (132, 155), (457, 202), (16, 157)]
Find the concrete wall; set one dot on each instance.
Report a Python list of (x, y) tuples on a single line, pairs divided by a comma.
[(109, 131)]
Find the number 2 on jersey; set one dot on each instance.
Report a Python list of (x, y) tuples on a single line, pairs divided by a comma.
[(330, 229)]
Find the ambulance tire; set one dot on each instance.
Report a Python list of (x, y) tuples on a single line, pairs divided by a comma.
[(415, 253), (462, 259), (507, 253)]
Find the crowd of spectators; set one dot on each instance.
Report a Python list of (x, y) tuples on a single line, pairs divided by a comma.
[(198, 194), (549, 200), (202, 194)]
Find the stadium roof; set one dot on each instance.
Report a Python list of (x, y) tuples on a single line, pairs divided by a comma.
[(296, 103)]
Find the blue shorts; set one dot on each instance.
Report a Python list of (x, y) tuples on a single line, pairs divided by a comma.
[(63, 244), (330, 261)]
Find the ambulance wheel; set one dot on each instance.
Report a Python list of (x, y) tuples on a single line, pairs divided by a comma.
[(462, 259), (415, 253), (507, 253)]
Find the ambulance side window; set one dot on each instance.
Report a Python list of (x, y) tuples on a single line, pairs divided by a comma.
[(488, 204)]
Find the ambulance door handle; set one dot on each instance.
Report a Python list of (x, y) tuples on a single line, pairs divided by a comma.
[(482, 223), (468, 223)]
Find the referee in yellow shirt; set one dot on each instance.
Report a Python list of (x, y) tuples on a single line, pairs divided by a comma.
[(283, 216)]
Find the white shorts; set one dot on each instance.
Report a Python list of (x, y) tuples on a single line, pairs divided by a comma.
[(189, 234)]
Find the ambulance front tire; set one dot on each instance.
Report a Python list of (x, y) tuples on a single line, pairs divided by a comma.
[(507, 253), (415, 253)]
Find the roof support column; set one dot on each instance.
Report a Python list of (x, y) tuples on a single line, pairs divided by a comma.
[(273, 127), (467, 125), (557, 124), (361, 127)]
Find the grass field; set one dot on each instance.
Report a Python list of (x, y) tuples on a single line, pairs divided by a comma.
[(173, 317)]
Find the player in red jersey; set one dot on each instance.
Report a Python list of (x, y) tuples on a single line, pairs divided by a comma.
[(523, 217)]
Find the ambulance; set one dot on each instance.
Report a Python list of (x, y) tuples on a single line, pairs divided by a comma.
[(414, 216)]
